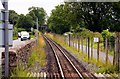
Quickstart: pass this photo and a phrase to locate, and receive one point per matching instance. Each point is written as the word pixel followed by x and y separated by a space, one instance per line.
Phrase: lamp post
pixel 6 42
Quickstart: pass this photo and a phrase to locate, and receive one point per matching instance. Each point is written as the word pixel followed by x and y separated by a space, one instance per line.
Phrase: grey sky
pixel 21 6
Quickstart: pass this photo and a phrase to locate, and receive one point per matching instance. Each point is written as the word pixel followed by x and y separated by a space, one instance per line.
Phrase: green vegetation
pixel 38 55
pixel 108 70
pixel 37 12
pixel 19 71
pixel 79 55
pixel 57 21
pixel 26 22
pixel 83 19
pixel 84 34
pixel 93 16
pixel 29 20
pixel 32 36
pixel 17 30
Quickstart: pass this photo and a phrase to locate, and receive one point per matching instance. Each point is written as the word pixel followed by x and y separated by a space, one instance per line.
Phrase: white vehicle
pixel 24 35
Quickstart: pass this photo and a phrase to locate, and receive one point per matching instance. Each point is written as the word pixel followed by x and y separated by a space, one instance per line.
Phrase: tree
pixel 25 22
pixel 58 21
pixel 36 12
pixel 96 16
pixel 116 17
pixel 13 17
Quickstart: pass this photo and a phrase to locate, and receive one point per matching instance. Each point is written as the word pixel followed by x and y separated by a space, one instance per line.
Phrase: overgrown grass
pixel 32 36
pixel 19 71
pixel 15 37
pixel 38 55
pixel 81 56
pixel 108 70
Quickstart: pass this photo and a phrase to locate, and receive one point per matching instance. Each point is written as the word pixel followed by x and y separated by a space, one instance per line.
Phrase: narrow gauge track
pixel 69 67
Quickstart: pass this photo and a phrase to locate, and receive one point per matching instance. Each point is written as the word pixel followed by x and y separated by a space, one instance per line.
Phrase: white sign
pixel 96 39
pixel 2 34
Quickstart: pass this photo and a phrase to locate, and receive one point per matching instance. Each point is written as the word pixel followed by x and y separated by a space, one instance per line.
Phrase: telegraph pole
pixel 5 16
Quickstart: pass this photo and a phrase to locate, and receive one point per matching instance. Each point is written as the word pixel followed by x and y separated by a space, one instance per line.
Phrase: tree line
pixel 93 16
pixel 27 21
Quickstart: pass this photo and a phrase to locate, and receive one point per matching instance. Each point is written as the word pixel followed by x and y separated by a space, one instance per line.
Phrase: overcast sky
pixel 21 6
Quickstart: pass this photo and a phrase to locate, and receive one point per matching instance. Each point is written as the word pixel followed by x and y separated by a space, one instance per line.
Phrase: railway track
pixel 68 66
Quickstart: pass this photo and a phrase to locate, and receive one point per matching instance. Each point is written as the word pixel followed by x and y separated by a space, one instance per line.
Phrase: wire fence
pixel 106 50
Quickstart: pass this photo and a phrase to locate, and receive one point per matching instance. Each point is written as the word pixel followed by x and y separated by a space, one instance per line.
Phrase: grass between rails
pixel 38 55
pixel 81 56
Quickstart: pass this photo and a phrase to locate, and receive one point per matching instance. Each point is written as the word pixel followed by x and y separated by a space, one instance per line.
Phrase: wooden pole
pixel 106 49
pixel 91 48
pixel 98 50
pixel 69 39
pixel 117 51
pixel 73 39
pixel 114 52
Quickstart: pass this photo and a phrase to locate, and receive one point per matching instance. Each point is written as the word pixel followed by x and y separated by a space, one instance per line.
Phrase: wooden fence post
pixel 69 39
pixel 91 48
pixel 76 42
pixel 106 49
pixel 117 50
pixel 114 51
pixel 98 49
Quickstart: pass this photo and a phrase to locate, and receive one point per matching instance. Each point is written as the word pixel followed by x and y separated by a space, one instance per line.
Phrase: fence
pixel 106 50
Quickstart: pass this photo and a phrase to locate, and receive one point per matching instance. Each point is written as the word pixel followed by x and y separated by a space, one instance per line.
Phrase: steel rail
pixel 58 62
pixel 80 75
